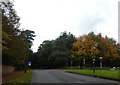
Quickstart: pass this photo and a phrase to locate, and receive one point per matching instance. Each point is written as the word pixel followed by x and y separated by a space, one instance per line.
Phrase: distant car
pixel 113 68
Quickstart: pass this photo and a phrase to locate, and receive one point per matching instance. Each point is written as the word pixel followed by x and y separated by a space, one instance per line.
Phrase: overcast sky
pixel 48 18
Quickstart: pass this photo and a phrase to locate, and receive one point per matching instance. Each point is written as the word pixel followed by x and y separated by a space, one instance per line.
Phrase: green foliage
pixel 29 35
pixel 16 43
pixel 54 53
pixel 66 48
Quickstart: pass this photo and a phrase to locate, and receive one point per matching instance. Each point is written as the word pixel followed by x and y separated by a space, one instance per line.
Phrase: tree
pixel 95 46
pixel 10 13
pixel 15 43
pixel 85 46
pixel 29 35
pixel 43 54
pixel 8 31
pixel 55 53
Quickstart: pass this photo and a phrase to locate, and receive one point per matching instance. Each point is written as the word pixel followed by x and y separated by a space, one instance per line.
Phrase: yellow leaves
pixel 110 47
pixel 95 45
pixel 85 46
pixel 76 44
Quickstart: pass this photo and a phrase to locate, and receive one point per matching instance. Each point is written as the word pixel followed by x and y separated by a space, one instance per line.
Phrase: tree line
pixel 92 46
pixel 16 43
pixel 59 53
pixel 54 53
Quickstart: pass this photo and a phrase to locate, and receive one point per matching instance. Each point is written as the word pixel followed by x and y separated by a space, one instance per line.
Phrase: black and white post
pixel 100 62
pixel 93 65
pixel 84 63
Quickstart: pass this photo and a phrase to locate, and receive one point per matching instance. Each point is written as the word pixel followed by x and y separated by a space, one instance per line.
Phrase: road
pixel 59 76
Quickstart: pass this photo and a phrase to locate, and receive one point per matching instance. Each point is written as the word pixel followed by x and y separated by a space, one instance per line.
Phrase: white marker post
pixel 29 63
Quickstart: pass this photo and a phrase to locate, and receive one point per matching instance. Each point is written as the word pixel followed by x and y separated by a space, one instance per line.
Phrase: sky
pixel 48 18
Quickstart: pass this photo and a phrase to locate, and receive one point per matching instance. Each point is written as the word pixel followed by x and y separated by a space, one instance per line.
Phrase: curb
pixel 96 76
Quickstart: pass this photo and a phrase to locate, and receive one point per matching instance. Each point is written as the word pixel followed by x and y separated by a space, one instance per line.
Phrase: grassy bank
pixel 109 74
pixel 24 78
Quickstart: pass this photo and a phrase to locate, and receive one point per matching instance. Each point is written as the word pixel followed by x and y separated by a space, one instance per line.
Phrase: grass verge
pixel 24 79
pixel 108 74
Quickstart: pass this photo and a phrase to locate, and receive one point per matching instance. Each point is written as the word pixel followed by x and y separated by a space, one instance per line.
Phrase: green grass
pixel 25 78
pixel 111 74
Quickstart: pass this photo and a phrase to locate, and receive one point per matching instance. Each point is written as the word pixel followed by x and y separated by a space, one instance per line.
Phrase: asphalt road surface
pixel 59 76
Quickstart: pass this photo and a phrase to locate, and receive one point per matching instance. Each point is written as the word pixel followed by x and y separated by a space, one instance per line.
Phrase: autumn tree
pixel 109 49
pixel 85 47
pixel 95 46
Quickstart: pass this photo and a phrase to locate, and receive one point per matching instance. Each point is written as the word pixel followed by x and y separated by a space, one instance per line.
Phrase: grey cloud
pixel 89 23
